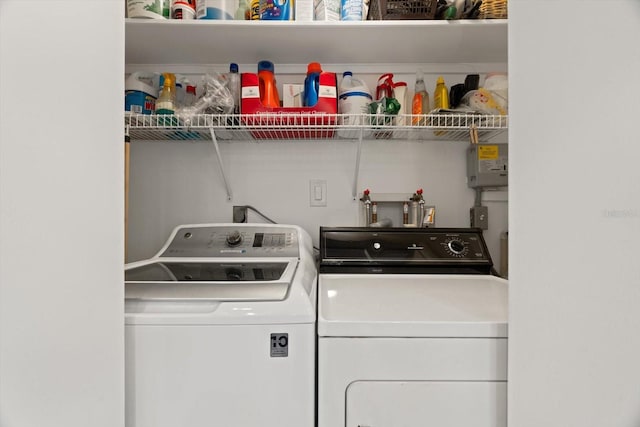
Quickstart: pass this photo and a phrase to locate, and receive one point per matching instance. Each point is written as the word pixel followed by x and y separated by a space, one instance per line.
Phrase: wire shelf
pixel 315 126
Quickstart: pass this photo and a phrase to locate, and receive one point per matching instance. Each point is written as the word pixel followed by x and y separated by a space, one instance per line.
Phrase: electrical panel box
pixel 487 165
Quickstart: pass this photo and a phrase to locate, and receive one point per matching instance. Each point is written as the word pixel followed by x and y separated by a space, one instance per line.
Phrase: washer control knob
pixel 456 246
pixel 234 238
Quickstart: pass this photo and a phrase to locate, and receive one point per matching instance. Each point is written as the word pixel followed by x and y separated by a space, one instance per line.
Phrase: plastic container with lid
pixel 216 9
pixel 267 85
pixel 311 85
pixel 153 9
pixel 183 9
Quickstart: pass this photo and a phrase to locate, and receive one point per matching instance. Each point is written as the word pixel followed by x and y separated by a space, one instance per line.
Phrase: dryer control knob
pixel 456 246
pixel 234 238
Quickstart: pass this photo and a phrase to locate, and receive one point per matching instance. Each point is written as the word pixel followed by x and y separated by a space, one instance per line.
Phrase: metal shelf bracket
pixel 354 190
pixel 224 175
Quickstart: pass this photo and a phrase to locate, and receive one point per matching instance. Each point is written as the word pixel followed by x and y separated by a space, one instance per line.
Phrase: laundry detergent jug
pixel 354 98
pixel 141 92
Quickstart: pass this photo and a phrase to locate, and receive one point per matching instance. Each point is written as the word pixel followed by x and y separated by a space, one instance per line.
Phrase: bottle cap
pixel 233 67
pixel 169 79
pixel 440 80
pixel 347 73
pixel 265 66
pixel 191 89
pixel 314 67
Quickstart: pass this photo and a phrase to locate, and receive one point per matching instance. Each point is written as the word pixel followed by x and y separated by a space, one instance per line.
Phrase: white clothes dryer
pixel 412 329
pixel 220 329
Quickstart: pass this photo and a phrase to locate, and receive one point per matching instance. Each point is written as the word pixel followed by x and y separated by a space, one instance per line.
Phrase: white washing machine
pixel 220 329
pixel 412 330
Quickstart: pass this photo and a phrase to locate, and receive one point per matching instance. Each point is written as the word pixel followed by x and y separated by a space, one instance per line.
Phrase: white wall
pixel 175 183
pixel 61 205
pixel 574 341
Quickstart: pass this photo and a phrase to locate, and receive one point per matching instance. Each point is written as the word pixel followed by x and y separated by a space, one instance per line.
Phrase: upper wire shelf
pixel 315 126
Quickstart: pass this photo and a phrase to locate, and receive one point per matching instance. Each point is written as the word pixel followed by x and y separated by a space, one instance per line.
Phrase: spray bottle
pixel 420 103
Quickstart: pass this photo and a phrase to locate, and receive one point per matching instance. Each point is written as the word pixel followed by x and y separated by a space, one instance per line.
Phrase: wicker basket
pixel 493 9
pixel 402 9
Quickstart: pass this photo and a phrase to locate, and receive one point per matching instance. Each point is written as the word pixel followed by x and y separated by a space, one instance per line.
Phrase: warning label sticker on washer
pixel 279 345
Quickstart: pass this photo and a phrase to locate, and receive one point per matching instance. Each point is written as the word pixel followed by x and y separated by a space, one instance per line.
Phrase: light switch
pixel 317 192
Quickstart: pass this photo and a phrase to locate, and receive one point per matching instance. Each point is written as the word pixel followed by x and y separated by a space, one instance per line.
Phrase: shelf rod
pixel 224 176
pixel 354 192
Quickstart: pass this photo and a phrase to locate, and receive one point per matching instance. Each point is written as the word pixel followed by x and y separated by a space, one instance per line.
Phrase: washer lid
pixel 188 279
pixel 365 305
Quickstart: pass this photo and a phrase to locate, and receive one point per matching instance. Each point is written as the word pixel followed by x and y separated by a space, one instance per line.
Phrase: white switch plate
pixel 317 192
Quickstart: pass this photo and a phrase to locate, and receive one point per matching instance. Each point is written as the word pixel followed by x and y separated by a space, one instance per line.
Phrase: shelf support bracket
pixel 224 175
pixel 354 191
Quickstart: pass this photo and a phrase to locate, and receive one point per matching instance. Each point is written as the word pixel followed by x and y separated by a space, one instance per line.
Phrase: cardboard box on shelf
pixel 264 122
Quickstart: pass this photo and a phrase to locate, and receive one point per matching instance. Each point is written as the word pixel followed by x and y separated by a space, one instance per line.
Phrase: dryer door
pixel 427 403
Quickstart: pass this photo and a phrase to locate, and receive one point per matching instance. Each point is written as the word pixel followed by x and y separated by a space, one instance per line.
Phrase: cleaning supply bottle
pixel 311 85
pixel 420 104
pixel 267 83
pixel 401 93
pixel 190 95
pixel 351 10
pixel 385 86
pixel 166 103
pixel 234 86
pixel 254 10
pixel 243 11
pixel 181 86
pixel 354 98
pixel 441 95
pixel 141 92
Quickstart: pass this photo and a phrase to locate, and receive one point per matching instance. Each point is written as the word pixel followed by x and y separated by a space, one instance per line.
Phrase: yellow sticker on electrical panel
pixel 487 152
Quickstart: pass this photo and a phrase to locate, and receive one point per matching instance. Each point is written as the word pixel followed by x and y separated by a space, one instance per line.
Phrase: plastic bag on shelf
pixel 481 100
pixel 216 100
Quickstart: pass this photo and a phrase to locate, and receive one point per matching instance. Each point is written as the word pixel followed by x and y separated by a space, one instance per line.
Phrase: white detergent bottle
pixel 354 98
pixel 401 94
pixel 141 92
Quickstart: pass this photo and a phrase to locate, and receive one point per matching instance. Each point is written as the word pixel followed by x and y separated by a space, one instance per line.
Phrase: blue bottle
pixel 312 85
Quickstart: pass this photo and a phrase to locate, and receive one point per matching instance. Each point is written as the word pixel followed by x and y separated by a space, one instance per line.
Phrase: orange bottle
pixel 420 105
pixel 267 84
